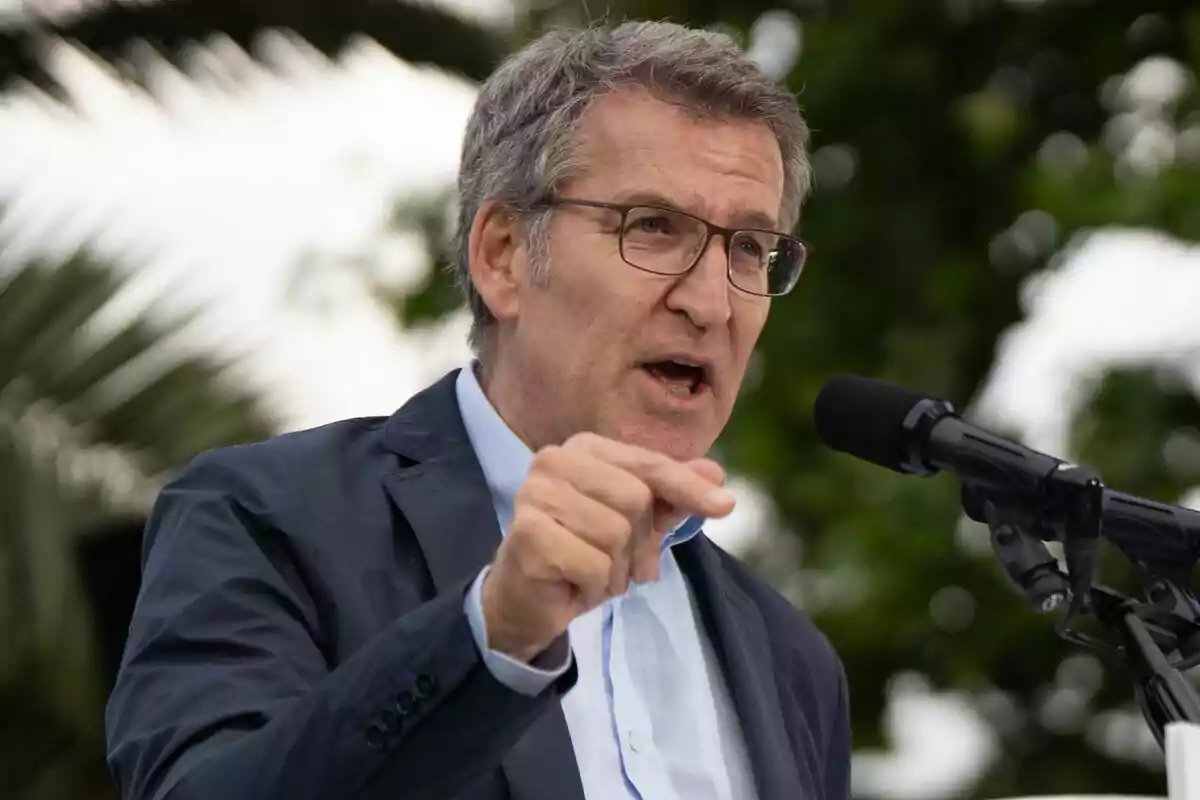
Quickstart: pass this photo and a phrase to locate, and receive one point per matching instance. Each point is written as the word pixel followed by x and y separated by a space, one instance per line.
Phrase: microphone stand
pixel 1163 694
pixel 1139 634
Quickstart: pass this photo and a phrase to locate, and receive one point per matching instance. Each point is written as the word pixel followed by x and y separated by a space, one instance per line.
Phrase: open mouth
pixel 677 376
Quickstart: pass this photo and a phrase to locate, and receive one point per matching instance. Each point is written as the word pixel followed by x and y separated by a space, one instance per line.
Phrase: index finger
pixel 671 481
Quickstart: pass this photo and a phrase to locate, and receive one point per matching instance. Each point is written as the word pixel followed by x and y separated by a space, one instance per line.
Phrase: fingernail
pixel 719 495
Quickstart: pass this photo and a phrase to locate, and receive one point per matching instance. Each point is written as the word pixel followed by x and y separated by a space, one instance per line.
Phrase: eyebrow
pixel 741 219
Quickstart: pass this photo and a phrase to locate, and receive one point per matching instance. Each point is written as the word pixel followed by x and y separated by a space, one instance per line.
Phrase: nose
pixel 703 293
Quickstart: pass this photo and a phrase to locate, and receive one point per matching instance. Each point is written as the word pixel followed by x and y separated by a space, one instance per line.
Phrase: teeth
pixel 683 384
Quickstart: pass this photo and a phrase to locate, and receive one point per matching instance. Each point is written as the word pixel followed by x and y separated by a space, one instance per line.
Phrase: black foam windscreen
pixel 864 418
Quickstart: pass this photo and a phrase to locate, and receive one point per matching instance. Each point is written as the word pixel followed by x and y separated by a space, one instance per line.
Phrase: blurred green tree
pixel 959 148
pixel 95 408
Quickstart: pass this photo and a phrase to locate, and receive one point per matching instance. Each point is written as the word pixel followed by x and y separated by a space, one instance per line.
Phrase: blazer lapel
pixel 740 639
pixel 444 497
pixel 450 512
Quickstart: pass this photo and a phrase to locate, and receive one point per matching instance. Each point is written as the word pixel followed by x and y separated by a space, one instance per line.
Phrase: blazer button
pixel 405 702
pixel 425 686
pixel 377 736
pixel 389 719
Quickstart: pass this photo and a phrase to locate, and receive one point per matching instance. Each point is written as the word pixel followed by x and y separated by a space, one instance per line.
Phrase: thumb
pixel 708 469
pixel 666 516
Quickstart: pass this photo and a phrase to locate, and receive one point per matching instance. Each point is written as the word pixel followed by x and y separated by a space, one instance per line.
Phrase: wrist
pixel 502 636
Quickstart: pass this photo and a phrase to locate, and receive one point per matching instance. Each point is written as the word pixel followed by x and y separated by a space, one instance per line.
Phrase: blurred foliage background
pixel 960 148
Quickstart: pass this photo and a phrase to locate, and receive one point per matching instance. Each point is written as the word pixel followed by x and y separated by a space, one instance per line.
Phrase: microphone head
pixel 866 419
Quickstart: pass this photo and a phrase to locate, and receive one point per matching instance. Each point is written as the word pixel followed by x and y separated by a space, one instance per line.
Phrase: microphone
pixel 907 432
pixel 910 433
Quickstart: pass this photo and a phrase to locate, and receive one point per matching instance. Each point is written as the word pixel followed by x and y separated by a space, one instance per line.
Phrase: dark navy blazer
pixel 300 634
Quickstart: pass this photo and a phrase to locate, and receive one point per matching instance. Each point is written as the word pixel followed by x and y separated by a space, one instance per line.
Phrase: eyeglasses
pixel 669 242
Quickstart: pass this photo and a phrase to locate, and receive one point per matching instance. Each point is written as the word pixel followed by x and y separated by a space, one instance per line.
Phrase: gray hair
pixel 519 145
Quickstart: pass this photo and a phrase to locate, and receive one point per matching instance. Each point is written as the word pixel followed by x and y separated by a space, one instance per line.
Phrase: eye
pixel 655 223
pixel 750 247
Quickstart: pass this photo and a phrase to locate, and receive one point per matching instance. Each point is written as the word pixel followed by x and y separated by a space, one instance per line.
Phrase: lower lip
pixel 673 396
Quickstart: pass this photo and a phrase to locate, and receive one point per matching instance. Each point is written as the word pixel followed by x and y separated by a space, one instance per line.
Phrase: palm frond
pixel 93 412
pixel 128 389
pixel 416 31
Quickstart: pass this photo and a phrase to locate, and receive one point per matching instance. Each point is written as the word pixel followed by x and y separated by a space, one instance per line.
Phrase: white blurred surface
pixel 1183 761
pixel 1120 297
pixel 222 196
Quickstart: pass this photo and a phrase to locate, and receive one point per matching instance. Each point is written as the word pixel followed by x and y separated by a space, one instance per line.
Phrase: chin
pixel 681 442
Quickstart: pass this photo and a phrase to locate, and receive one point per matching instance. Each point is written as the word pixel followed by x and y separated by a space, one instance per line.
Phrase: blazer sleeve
pixel 225 691
pixel 837 758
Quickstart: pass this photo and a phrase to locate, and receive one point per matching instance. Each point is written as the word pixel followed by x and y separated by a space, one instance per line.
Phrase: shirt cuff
pixel 527 679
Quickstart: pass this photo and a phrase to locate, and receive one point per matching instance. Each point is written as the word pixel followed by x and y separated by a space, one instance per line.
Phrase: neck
pixel 519 402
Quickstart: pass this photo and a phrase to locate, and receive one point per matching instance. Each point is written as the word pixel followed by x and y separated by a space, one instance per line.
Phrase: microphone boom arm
pixel 1140 634
pixel 1081 491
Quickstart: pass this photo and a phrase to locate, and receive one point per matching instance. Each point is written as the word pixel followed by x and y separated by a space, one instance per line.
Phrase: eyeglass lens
pixel 669 243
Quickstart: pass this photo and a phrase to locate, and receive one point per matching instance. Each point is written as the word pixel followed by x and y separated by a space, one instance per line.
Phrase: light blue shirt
pixel 650 715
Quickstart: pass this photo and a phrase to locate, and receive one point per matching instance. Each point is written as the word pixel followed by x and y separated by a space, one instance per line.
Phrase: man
pixel 503 589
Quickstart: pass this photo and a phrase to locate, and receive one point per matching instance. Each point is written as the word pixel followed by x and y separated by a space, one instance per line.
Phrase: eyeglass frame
pixel 711 230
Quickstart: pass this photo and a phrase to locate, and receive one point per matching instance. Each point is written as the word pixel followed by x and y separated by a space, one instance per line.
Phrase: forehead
pixel 633 143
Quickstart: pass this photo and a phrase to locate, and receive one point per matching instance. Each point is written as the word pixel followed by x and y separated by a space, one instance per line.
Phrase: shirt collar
pixel 505 459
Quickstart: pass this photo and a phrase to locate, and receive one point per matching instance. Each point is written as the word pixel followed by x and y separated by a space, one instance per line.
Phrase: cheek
pixel 749 320
pixel 581 338
pixel 604 313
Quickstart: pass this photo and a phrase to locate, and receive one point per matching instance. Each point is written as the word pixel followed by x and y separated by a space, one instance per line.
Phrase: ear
pixel 496 256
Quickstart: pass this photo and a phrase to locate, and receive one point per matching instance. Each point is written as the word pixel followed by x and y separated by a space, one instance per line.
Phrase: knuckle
pixel 542 489
pixel 617 530
pixel 528 494
pixel 622 528
pixel 557 464
pixel 597 580
pixel 534 520
pixel 548 458
pixel 636 498
pixel 601 566
pixel 524 525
